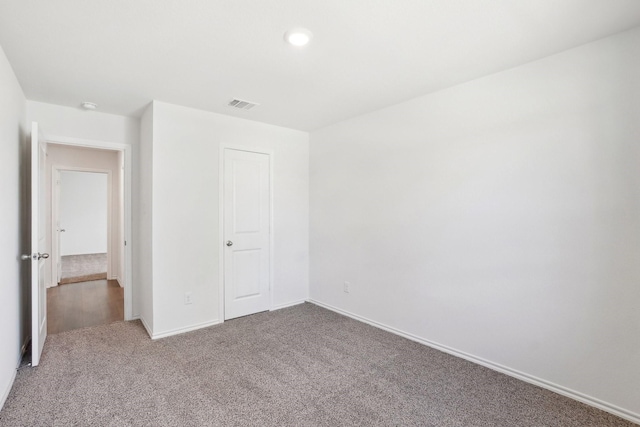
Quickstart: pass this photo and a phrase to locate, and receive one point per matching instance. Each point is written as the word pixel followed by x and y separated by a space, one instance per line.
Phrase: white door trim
pixel 55 204
pixel 126 149
pixel 251 149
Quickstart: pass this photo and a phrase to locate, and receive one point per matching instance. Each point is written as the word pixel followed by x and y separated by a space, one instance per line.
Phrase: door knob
pixel 34 256
pixel 229 243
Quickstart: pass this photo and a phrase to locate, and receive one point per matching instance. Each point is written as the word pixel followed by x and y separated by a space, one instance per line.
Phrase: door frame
pixel 126 150
pixel 221 239
pixel 55 216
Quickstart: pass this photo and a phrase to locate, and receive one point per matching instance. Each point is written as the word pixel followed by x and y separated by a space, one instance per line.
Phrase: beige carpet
pixel 83 268
pixel 300 366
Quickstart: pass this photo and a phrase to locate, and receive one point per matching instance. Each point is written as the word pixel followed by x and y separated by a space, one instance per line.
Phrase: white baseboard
pixel 576 395
pixel 182 330
pixel 7 390
pixel 5 393
pixel 288 304
pixel 146 327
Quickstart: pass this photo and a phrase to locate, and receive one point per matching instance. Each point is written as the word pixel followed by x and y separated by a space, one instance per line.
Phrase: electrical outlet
pixel 187 298
pixel 347 287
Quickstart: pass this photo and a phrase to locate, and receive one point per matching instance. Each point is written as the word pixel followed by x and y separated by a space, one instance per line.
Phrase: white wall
pixel 83 213
pixel 56 120
pixel 13 302
pixel 500 218
pixel 144 248
pixel 185 204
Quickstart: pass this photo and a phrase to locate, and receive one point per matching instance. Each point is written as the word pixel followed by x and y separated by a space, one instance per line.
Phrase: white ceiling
pixel 366 54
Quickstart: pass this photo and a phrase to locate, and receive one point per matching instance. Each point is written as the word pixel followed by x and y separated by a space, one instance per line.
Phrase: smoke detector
pixel 242 104
pixel 89 105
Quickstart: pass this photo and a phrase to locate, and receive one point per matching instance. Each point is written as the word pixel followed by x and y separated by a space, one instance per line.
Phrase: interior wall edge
pixel 523 376
pixel 145 325
pixel 288 304
pixel 182 330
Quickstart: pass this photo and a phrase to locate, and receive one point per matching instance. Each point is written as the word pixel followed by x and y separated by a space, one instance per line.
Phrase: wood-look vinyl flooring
pixel 78 305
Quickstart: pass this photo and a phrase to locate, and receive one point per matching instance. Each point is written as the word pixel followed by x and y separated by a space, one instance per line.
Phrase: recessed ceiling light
pixel 89 105
pixel 298 37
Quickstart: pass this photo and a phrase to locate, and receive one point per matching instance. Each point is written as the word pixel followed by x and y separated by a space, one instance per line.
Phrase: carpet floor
pixel 300 366
pixel 83 268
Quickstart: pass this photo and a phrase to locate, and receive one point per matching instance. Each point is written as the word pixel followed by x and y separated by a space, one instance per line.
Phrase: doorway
pixel 87 279
pixel 41 240
pixel 82 212
pixel 81 215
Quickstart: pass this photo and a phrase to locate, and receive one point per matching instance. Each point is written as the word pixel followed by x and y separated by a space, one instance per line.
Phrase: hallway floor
pixel 78 305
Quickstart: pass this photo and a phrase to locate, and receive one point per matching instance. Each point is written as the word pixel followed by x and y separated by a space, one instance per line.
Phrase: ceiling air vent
pixel 241 105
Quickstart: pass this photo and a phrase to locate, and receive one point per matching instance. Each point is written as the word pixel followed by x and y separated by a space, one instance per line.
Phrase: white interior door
pixel 57 235
pixel 38 254
pixel 246 211
pixel 58 260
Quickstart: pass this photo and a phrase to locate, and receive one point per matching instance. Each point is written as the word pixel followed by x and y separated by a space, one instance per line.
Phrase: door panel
pixel 38 248
pixel 58 233
pixel 246 197
pixel 246 273
pixel 246 225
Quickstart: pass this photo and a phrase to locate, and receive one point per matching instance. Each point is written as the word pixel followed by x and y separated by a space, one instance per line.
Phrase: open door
pixel 38 256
